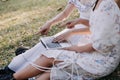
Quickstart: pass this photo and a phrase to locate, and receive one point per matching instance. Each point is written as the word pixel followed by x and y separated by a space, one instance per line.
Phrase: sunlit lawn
pixel 21 19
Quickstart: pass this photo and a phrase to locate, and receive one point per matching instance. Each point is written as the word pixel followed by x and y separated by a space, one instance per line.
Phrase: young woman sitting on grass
pixel 84 7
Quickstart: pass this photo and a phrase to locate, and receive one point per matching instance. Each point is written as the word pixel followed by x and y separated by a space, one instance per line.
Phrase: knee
pixel 46 59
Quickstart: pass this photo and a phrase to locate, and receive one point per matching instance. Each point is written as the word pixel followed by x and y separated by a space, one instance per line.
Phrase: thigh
pixel 34 52
pixel 31 70
pixel 44 76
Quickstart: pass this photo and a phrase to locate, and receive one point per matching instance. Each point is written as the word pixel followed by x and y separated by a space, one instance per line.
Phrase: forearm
pixel 80 49
pixel 82 21
pixel 58 18
pixel 63 15
pixel 80 31
pixel 85 48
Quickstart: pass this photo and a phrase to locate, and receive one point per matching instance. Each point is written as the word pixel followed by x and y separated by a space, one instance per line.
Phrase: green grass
pixel 21 19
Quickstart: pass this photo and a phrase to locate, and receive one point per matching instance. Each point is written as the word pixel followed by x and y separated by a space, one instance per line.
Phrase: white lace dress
pixel 105 28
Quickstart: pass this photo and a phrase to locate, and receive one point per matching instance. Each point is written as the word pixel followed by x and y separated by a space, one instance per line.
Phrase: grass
pixel 21 19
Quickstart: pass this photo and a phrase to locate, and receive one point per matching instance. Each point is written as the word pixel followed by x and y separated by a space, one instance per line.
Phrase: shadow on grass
pixel 27 5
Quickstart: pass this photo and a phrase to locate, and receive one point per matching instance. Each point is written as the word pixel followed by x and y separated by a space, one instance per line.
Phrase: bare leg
pixel 44 76
pixel 30 71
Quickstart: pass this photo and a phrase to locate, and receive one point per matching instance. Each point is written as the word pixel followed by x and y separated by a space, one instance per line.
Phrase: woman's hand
pixel 44 29
pixel 63 37
pixel 69 24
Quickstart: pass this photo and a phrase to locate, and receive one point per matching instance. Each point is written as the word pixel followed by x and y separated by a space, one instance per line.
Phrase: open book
pixel 48 44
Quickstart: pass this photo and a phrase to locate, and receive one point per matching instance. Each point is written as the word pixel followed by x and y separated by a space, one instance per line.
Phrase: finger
pixel 61 40
pixel 62 25
pixel 65 24
pixel 55 40
pixel 68 22
pixel 70 26
pixel 39 32
pixel 58 40
pixel 45 32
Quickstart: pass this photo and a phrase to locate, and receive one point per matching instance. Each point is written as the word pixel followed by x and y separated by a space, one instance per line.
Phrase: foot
pixel 6 74
pixel 20 50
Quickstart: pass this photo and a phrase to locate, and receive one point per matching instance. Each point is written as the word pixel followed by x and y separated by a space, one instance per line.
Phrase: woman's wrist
pixel 49 22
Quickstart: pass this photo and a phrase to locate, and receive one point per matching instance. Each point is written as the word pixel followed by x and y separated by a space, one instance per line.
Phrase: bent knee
pixel 45 58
